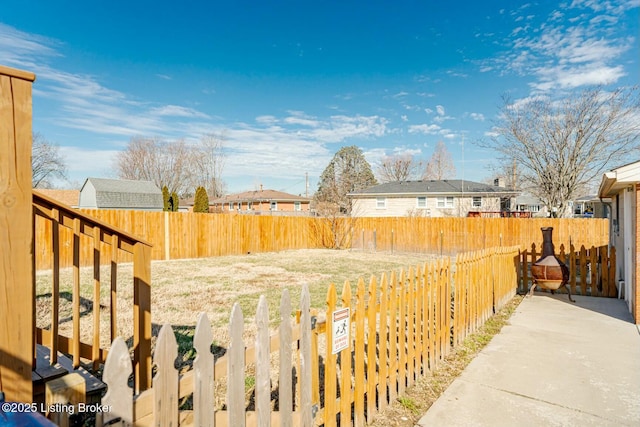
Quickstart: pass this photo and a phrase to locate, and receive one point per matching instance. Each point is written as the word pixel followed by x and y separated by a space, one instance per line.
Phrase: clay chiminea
pixel 548 271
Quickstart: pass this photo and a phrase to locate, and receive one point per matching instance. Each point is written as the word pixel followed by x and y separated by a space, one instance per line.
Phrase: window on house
pixel 445 202
pixel 230 206
pixel 274 206
pixel 297 206
pixel 249 206
pixel 421 202
pixel 477 202
pixel 381 203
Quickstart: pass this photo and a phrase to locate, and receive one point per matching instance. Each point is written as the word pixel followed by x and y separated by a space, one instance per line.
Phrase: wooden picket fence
pixel 484 282
pixel 393 331
pixel 592 271
pixel 159 406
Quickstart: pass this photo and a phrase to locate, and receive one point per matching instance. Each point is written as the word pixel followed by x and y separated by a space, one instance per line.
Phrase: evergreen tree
pixel 165 198
pixel 201 201
pixel 348 171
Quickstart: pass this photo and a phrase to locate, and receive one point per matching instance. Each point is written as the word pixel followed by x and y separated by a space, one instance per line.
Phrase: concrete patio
pixel 556 364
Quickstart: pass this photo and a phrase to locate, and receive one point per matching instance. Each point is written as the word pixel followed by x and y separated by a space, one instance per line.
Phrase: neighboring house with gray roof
pixel 102 193
pixel 434 198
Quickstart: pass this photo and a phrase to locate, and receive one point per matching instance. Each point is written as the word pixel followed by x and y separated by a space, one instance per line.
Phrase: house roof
pixel 261 195
pixel 446 186
pixel 68 197
pixel 617 179
pixel 119 193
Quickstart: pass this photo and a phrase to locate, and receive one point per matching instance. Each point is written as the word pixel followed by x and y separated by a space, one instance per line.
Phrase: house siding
pixel 635 309
pixel 408 206
pixel 87 197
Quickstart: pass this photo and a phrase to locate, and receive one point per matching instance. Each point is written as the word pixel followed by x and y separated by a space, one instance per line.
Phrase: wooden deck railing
pixel 69 227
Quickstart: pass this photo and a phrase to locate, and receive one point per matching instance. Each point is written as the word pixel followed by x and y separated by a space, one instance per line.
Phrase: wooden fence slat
pixel 330 390
pixel 345 365
pixel 583 270
pixel 393 338
pixel 285 381
pixel 411 327
pixel 593 265
pixel 359 379
pixel 383 338
pixel 306 360
pixel 371 347
pixel 203 391
pixel 263 366
pixel 165 382
pixel 236 370
pixel 119 396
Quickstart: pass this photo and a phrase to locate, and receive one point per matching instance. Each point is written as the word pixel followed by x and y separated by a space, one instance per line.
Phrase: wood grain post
pixel 16 234
pixel 142 316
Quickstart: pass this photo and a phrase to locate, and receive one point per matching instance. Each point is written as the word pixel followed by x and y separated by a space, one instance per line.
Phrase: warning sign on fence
pixel 341 327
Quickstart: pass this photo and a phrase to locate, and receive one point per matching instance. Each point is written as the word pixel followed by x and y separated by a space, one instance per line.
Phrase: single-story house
pixel 262 201
pixel 102 193
pixel 434 198
pixel 527 203
pixel 589 206
pixel 620 188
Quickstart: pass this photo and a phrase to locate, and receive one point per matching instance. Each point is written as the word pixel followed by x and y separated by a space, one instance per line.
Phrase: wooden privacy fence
pixel 592 271
pixel 449 236
pixel 347 365
pixel 179 235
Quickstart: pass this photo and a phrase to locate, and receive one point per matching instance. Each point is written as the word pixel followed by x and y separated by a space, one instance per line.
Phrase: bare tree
pixel 400 167
pixel 162 162
pixel 440 165
pixel 46 162
pixel 208 164
pixel 561 145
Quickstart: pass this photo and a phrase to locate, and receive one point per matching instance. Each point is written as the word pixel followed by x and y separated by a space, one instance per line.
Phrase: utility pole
pixel 306 184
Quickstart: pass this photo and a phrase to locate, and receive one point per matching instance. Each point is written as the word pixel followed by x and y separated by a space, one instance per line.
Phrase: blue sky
pixel 290 82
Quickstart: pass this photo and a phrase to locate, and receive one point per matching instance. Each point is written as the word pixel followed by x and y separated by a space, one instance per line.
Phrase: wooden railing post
pixel 142 316
pixel 17 316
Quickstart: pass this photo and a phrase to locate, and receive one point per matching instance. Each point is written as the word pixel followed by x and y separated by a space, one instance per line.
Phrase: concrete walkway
pixel 556 364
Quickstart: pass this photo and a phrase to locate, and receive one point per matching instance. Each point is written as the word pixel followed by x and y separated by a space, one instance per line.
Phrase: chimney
pixel 499 182
pixel 261 188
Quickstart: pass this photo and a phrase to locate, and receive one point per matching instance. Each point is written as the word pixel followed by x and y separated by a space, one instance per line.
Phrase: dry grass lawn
pixel 181 289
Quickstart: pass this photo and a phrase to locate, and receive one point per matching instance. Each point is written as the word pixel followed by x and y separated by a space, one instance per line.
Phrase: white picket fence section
pixel 159 406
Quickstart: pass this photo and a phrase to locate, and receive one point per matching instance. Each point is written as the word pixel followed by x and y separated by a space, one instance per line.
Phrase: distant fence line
pixel 180 235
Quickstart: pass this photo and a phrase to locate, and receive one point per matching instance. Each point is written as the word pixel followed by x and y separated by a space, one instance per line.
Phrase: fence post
pixel 142 316
pixel 17 321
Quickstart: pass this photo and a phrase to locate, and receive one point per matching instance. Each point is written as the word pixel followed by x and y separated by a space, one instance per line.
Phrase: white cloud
pixel 579 44
pixel 177 111
pixel 425 129
pixel 440 110
pixel 477 116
